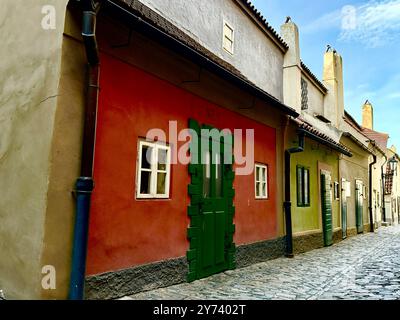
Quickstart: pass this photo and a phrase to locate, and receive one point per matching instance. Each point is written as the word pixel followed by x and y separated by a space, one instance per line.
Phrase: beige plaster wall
pixel 65 158
pixel 377 186
pixel 29 77
pixel 352 169
pixel 315 99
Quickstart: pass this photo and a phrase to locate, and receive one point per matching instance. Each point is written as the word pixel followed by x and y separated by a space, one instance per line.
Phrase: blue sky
pixel 367 35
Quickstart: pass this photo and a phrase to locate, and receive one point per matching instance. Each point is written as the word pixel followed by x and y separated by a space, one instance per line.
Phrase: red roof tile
pixel 381 139
pixel 329 141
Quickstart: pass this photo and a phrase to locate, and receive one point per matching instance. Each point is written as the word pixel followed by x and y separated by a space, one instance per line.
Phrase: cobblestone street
pixel 362 267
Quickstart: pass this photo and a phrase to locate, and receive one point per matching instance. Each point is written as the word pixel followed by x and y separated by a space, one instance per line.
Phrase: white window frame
pixel 336 190
pixel 153 170
pixel 224 35
pixel 346 186
pixel 257 180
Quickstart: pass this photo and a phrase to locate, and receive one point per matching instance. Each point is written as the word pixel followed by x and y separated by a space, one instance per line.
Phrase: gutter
pixel 288 202
pixel 325 142
pixel 122 12
pixel 85 183
pixel 371 216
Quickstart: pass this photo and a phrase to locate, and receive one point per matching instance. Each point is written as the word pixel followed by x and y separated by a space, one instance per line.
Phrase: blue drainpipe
pixel 85 183
pixel 84 188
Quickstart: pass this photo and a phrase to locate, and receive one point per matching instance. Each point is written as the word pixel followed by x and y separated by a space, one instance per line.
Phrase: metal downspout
pixel 371 216
pixel 85 183
pixel 383 189
pixel 288 202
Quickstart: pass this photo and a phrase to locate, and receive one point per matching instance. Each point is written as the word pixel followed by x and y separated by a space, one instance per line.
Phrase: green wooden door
pixel 326 204
pixel 211 230
pixel 344 209
pixel 359 206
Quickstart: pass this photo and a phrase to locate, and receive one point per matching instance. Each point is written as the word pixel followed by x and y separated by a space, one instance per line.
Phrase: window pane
pixel 162 159
pixel 145 179
pixel 258 173
pixel 228 45
pixel 161 179
pixel 146 157
pixel 263 177
pixel 300 186
pixel 264 190
pixel 228 32
pixel 306 187
pixel 258 189
pixel 218 176
pixel 206 175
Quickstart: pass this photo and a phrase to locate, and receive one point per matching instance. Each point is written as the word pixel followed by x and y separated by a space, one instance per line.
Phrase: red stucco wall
pixel 125 232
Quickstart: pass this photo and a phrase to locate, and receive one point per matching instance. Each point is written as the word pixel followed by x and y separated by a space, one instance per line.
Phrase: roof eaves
pixel 316 135
pixel 358 142
pixel 263 21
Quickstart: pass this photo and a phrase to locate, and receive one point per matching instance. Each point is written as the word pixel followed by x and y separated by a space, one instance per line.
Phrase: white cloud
pixel 377 23
pixel 327 21
pixel 395 95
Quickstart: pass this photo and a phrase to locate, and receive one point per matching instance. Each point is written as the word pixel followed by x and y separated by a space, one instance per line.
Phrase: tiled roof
pixel 313 76
pixel 381 139
pixel 257 14
pixel 348 118
pixel 305 126
pixel 351 121
pixel 170 30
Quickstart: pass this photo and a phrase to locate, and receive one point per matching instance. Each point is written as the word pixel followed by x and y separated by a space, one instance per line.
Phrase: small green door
pixel 359 206
pixel 211 230
pixel 344 209
pixel 326 204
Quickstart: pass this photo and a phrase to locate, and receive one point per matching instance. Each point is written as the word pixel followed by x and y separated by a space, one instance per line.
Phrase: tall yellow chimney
pixel 368 115
pixel 292 66
pixel 333 80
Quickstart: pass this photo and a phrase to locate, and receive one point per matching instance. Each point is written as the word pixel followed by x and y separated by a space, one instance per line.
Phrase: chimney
pixel 291 66
pixel 333 80
pixel 368 115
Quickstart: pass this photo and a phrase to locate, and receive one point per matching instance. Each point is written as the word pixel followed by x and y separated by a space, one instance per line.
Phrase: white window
pixel 336 191
pixel 153 171
pixel 346 186
pixel 228 38
pixel 261 184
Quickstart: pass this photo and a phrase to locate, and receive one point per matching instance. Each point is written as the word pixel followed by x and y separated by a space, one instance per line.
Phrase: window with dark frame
pixel 303 186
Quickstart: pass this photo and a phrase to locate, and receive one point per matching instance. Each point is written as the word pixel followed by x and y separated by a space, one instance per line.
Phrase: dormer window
pixel 304 94
pixel 228 38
